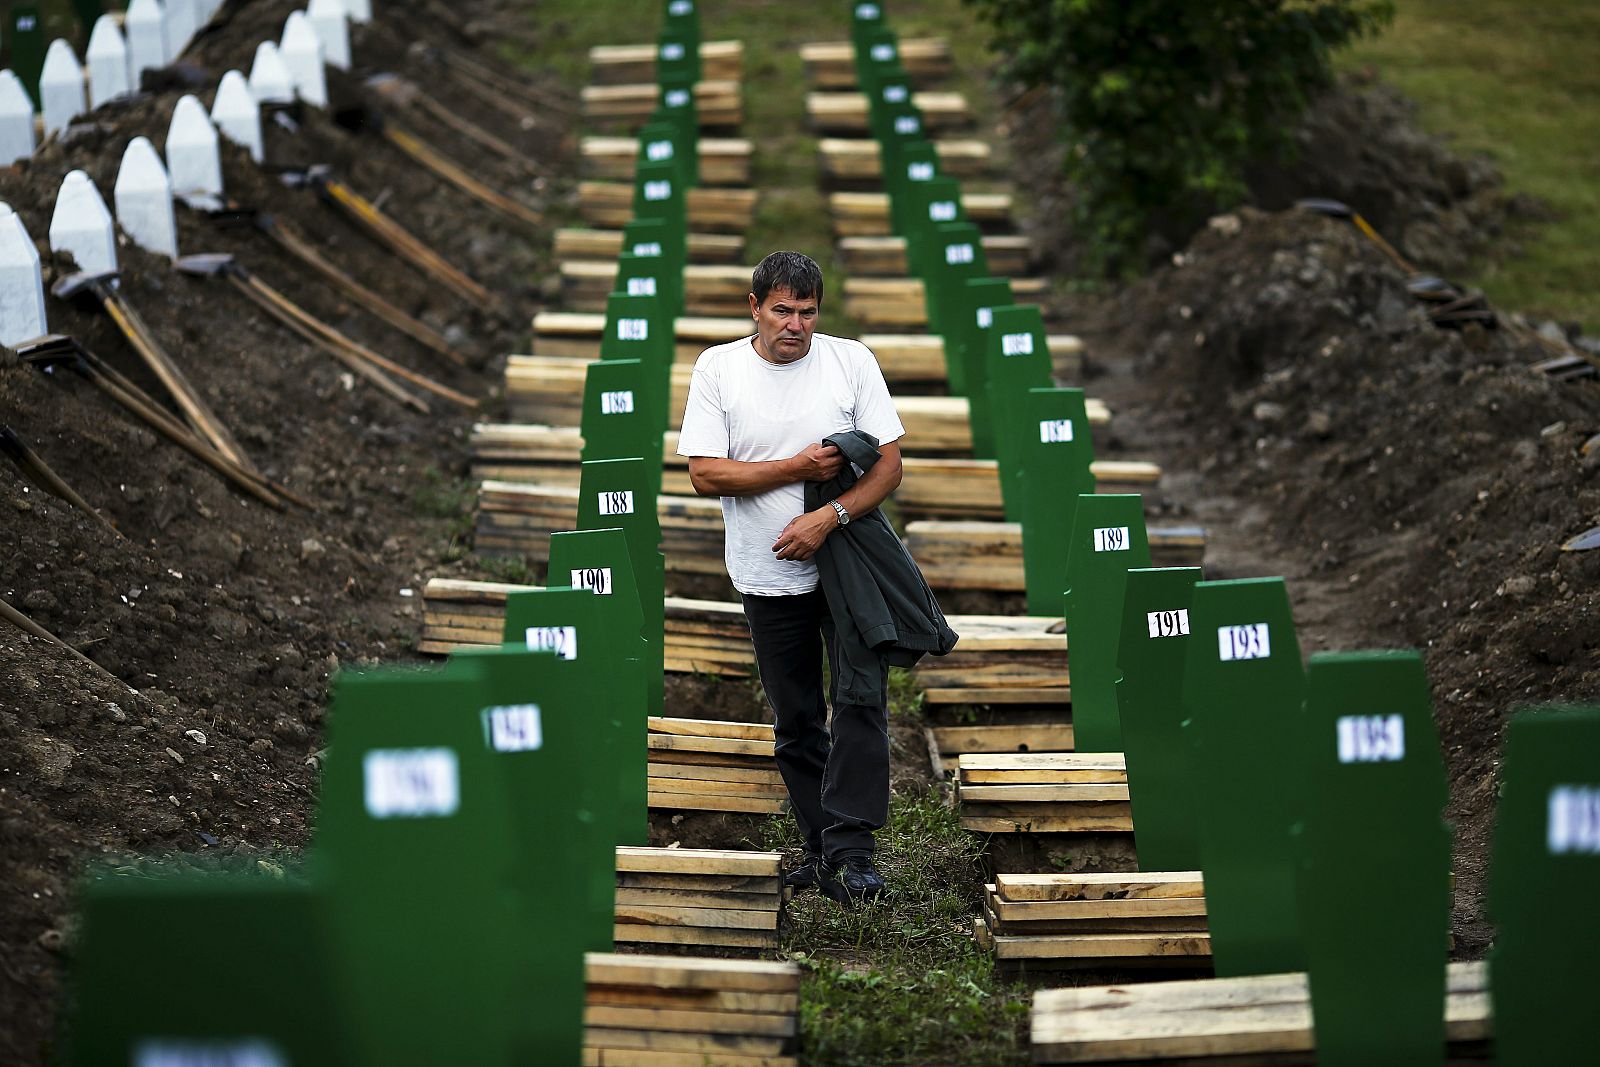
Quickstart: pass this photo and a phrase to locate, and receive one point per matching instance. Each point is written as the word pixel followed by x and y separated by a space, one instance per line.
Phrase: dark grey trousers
pixel 837 773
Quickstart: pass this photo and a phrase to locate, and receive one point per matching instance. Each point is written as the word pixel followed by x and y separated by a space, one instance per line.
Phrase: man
pixel 753 430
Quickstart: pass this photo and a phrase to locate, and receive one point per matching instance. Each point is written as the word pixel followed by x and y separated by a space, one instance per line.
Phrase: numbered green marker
pixel 666 139
pixel 918 162
pixel 638 328
pixel 617 398
pixel 1374 807
pixel 1017 360
pixel 1108 538
pixel 1055 455
pixel 966 342
pixel 415 836
pixel 1544 882
pixel 683 16
pixel 232 967
pixel 1243 696
pixel 615 493
pixel 1162 778
pixel 677 54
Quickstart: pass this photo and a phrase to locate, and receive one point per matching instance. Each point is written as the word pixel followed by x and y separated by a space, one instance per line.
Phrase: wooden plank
pixel 712 209
pixel 694 935
pixel 695 883
pixel 846 112
pixel 703 1044
pixel 585 243
pixel 1099 886
pixel 1068 792
pixel 867 214
pixel 759 1024
pixel 832 64
pixel 707 918
pixel 1009 912
pixel 630 896
pixel 623 64
pixel 1101 946
pixel 718 103
pixel 1012 737
pixel 726 746
pixel 697 861
pixel 699 802
pixel 626 1057
pixel 723 160
pixel 1008 255
pixel 858 159
pixel 1254 1016
pixel 1048 824
pixel 684 972
pixel 665 772
pixel 662 787
pixel 1055 695
pixel 749 731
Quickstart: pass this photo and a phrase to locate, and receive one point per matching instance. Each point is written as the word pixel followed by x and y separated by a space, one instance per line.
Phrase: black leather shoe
pixel 802 875
pixel 853 880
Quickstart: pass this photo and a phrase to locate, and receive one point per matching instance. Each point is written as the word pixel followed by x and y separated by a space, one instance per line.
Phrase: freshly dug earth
pixel 218 621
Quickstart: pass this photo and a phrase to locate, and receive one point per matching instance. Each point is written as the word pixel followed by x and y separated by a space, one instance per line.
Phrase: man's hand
pixel 817 463
pixel 805 534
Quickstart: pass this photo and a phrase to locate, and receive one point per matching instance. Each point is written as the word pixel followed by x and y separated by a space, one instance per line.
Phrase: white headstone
pixel 193 162
pixel 144 199
pixel 359 10
pixel 182 21
pixel 270 82
pixel 60 86
pixel 329 19
pixel 236 114
pixel 82 225
pixel 21 282
pixel 16 120
pixel 145 25
pixel 302 54
pixel 108 62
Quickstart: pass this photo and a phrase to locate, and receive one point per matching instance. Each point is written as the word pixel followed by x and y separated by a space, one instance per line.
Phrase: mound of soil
pixel 215 621
pixel 1415 484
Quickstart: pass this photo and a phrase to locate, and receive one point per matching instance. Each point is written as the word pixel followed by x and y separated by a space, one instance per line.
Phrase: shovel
pixel 37 471
pixel 103 288
pixel 320 335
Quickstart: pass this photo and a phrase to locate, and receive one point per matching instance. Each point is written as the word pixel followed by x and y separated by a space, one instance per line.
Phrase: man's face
pixel 784 325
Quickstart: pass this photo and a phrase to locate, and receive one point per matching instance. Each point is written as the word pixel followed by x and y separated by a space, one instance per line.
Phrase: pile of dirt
pixel 216 622
pixel 1415 483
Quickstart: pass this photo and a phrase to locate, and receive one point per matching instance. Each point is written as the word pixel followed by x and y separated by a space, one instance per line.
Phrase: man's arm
pixel 805 533
pixel 711 476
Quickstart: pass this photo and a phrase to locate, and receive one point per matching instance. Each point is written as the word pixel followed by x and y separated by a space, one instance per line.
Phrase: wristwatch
pixel 844 516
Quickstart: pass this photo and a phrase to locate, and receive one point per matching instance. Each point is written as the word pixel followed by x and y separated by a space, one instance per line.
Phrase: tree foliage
pixel 1165 102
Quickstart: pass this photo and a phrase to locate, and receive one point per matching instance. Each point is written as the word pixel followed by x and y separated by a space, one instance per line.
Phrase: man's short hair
pixel 793 271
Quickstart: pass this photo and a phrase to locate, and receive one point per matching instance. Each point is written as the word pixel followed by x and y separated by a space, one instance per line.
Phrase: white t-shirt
pixel 744 408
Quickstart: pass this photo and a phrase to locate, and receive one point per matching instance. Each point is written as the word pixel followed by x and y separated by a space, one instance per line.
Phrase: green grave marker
pixel 658 193
pixel 676 106
pixel 865 18
pixel 953 255
pixel 918 162
pixel 637 328
pixel 1374 801
pixel 615 493
pixel 931 207
pixel 1162 778
pixel 1016 360
pixel 648 276
pixel 677 54
pixel 1544 881
pixel 1108 538
pixel 683 16
pixel 25 42
pixel 651 238
pixel 1055 457
pixel 415 837
pixel 190 968
pixel 1243 699
pixel 877 50
pixel 598 560
pixel 617 395
pixel 972 313
pixel 665 139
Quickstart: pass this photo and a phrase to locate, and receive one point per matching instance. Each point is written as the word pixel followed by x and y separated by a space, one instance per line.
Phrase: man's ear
pixel 754 306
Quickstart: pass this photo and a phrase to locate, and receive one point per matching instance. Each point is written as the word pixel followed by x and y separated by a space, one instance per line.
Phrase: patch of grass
pixel 905 695
pixel 512 569
pixel 1520 83
pixel 899 981
pixel 439 496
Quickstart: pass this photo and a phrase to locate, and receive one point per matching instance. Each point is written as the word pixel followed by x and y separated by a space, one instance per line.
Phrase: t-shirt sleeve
pixel 875 411
pixel 705 430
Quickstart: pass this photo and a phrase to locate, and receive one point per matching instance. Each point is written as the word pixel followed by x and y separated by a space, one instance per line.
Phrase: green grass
pixel 899 981
pixel 1521 83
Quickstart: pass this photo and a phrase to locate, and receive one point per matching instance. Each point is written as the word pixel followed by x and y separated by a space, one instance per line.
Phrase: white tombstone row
pixel 145 24
pixel 330 20
pixel 194 164
pixel 302 54
pixel 270 81
pixel 237 115
pixel 60 87
pixel 16 120
pixel 82 225
pixel 143 196
pixel 108 62
pixel 21 282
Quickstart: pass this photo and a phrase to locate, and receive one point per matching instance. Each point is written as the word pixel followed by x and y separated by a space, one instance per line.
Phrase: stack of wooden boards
pixel 832 64
pixel 719 103
pixel 962 554
pixel 702 636
pixel 635 64
pixel 939 488
pixel 696 896
pixel 1263 1019
pixel 1043 792
pixel 1022 658
pixel 711 765
pixel 1101 920
pixel 669 1011
pixel 517 519
pixel 1035 729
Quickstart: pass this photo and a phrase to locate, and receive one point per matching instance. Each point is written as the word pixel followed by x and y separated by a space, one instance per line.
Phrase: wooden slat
pixel 846 112
pixel 699 802
pixel 707 918
pixel 1008 255
pixel 723 160
pixel 945 695
pixel 714 1045
pixel 582 243
pixel 684 972
pixel 1062 792
pixel 1041 768
pixel 832 64
pixel 697 861
pixel 627 1057
pixel 867 214
pixel 712 209
pixel 1101 946
pixel 858 159
pixel 693 935
pixel 1099 886
pixel 1010 737
pixel 1117 822
pixel 718 103
pixel 749 731
pixel 1009 912
pixel 631 896
pixel 623 64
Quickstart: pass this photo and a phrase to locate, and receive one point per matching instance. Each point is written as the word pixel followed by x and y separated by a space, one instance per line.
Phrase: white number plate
pixel 1055 431
pixel 411 783
pixel 894 94
pixel 207 1052
pixel 906 125
pixel 647 248
pixel 1016 344
pixel 1251 641
pixel 515 728
pixel 882 53
pixel 657 190
pixel 1111 539
pixel 1168 623
pixel 633 329
pixel 954 254
pixel 677 98
pixel 595 578
pixel 641 287
pixel 656 151
pixel 1371 738
pixel 942 211
pixel 1574 820
pixel 617 503
pixel 619 402
pixel 985 318
pixel 562 640
pixel 919 172
pixel 672 51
